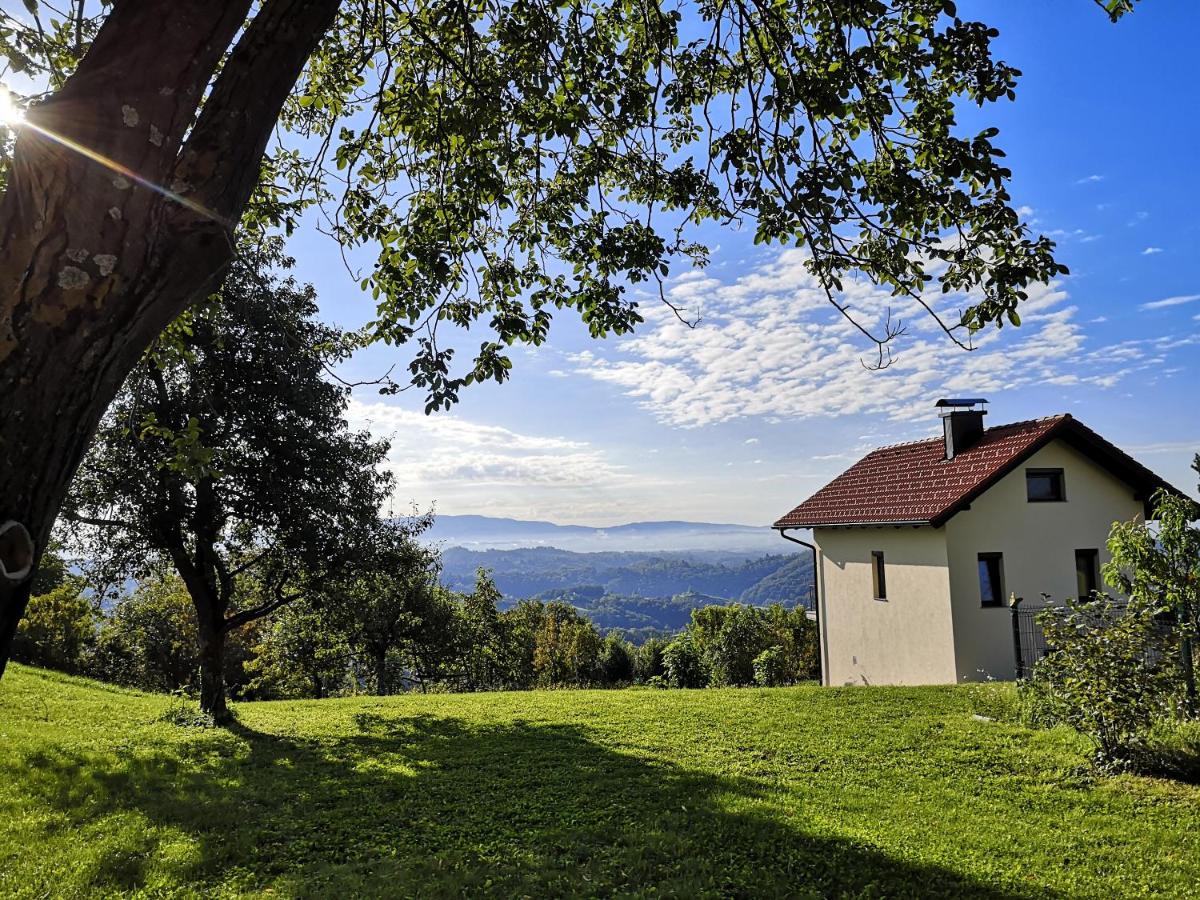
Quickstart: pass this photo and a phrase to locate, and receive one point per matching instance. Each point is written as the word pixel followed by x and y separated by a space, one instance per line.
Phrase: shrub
pixel 743 635
pixel 1107 675
pixel 770 668
pixel 616 661
pixel 683 663
pixel 649 661
pixel 59 629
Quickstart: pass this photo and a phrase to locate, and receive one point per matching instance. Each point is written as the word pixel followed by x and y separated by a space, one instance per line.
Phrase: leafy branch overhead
pixel 511 159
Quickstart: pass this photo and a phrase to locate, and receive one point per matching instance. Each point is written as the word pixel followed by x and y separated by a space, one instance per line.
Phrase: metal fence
pixel 1029 641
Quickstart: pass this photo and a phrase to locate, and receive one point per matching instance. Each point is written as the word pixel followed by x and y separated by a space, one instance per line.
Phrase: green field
pixel 871 792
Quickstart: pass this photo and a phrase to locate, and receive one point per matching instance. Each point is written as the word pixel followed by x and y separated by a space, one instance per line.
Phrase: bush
pixel 649 662
pixel 1108 675
pixel 743 635
pixel 59 629
pixel 616 661
pixel 770 668
pixel 683 663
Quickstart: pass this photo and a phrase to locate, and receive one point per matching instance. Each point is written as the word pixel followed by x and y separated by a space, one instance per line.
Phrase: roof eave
pixel 893 523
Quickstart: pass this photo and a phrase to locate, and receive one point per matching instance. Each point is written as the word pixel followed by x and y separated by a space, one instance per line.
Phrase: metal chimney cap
pixel 970 401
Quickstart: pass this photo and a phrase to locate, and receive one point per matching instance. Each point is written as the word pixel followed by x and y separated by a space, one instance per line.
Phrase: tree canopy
pixel 227 456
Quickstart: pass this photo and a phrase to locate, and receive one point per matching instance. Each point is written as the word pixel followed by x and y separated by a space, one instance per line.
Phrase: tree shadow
pixel 428 806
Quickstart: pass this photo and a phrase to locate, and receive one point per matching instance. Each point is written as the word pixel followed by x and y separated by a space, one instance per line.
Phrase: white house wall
pixel 905 639
pixel 1038 541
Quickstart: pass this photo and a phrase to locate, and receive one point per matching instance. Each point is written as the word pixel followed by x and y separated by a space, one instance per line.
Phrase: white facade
pixel 932 627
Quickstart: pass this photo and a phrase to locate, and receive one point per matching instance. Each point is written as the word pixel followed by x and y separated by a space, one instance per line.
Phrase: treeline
pixel 784 578
pixel 408 633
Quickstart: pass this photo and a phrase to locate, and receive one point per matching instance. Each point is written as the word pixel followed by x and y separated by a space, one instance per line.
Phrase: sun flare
pixel 10 113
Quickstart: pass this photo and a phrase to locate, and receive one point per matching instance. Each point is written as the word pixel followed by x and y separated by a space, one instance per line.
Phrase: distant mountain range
pixel 488 533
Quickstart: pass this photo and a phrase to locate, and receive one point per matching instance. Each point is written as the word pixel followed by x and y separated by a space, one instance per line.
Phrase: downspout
pixel 818 597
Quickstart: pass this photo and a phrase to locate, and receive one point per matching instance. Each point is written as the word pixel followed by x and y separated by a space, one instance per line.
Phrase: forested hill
pixel 717 576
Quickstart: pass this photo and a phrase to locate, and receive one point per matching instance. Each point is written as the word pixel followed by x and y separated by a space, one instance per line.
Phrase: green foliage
pixel 1160 566
pixel 794 792
pixel 1108 675
pixel 683 663
pixel 300 654
pixel 149 640
pixel 550 156
pixel 227 456
pixel 730 639
pixel 737 643
pixel 649 660
pixel 770 668
pixel 484 636
pixel 567 649
pixel 617 661
pixel 59 629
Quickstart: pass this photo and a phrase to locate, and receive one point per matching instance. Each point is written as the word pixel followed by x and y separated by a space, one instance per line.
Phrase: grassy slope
pixel 862 792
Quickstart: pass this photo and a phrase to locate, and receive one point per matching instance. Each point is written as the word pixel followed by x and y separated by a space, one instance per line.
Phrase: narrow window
pixel 991 579
pixel 1087 571
pixel 878 581
pixel 1044 485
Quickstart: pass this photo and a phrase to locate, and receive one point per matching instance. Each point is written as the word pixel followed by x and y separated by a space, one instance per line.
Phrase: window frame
pixel 1062 485
pixel 878 576
pixel 1092 555
pixel 998 586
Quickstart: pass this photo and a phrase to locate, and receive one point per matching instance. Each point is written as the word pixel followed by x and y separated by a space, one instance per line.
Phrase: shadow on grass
pixel 429 806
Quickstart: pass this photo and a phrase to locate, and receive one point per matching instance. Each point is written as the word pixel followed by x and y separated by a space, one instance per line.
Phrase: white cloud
pixel 1150 251
pixel 751 440
pixel 1171 301
pixel 768 345
pixel 1090 179
pixel 467 466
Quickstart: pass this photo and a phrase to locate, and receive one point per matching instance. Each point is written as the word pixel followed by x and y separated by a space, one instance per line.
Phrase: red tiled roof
pixel 915 484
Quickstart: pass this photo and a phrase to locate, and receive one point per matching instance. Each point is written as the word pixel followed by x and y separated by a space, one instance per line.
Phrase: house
pixel 919 546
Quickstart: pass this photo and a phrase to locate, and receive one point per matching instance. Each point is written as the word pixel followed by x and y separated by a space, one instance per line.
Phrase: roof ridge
pixel 985 431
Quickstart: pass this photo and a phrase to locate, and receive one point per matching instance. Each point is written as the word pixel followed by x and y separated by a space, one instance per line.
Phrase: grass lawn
pixel 864 792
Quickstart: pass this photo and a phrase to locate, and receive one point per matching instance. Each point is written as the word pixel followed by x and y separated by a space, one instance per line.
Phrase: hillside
pixel 782 578
pixel 488 532
pixel 859 792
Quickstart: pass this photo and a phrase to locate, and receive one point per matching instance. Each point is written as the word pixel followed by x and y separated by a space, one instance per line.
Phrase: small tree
pixel 483 635
pixel 1108 674
pixel 300 654
pixel 1160 567
pixel 743 635
pixel 649 661
pixel 59 628
pixel 683 663
pixel 149 640
pixel 380 605
pixel 227 456
pixel 567 649
pixel 616 660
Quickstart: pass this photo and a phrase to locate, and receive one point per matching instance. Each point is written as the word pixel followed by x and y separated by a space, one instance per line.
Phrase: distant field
pixel 867 792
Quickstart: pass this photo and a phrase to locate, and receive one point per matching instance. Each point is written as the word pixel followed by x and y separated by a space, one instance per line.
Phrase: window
pixel 878 582
pixel 1087 571
pixel 1044 485
pixel 991 579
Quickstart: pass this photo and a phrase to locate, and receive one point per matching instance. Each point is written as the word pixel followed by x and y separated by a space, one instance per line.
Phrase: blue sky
pixel 744 416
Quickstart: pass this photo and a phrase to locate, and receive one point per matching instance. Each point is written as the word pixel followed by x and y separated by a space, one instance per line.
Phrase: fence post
pixel 1013 603
pixel 1189 675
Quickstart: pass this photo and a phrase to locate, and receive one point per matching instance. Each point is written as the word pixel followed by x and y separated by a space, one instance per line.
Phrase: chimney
pixel 962 423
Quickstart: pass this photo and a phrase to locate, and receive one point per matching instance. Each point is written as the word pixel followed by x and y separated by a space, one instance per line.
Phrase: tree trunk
pixel 383 684
pixel 101 249
pixel 212 673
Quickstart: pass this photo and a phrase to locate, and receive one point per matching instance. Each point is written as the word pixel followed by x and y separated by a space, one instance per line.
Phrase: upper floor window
pixel 878 580
pixel 1087 571
pixel 1044 485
